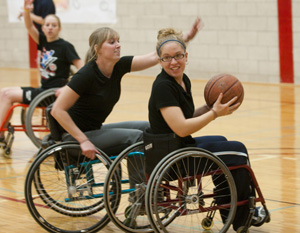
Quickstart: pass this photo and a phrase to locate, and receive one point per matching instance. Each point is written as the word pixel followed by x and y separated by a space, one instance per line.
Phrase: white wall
pixel 240 36
pixel 296 39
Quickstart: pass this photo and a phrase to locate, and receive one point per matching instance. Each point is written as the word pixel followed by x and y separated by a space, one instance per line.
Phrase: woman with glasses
pixel 88 99
pixel 172 112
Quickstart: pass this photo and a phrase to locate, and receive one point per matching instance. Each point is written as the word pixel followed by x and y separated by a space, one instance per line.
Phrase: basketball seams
pixel 210 86
pixel 215 85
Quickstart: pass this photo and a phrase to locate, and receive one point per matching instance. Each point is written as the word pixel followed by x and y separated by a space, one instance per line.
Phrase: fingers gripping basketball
pixel 227 84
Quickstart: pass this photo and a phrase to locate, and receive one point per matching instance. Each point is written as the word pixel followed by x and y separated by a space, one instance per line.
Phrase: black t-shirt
pixel 55 62
pixel 167 92
pixel 98 94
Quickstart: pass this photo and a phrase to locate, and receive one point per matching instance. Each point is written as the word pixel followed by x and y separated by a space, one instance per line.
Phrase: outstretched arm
pixel 142 62
pixel 35 18
pixel 33 32
pixel 197 26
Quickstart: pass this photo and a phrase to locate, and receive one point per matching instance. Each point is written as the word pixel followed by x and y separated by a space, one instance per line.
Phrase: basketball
pixel 227 84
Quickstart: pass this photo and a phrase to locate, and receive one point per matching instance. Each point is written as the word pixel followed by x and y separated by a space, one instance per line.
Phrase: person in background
pixel 41 8
pixel 57 56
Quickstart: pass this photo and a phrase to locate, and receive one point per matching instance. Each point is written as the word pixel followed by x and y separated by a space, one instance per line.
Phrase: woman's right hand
pixel 227 108
pixel 88 149
pixel 28 5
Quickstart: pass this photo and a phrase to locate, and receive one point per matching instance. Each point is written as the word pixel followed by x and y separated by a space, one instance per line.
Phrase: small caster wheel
pixel 127 211
pixel 242 229
pixel 7 153
pixel 207 223
pixel 129 222
pixel 268 218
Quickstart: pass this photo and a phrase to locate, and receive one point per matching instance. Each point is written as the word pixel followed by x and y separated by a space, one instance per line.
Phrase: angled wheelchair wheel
pixel 128 211
pixel 35 120
pixel 195 188
pixel 64 189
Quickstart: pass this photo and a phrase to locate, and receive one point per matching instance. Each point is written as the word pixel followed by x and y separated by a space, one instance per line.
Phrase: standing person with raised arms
pixel 88 99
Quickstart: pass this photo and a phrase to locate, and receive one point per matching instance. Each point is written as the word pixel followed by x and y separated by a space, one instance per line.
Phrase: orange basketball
pixel 227 84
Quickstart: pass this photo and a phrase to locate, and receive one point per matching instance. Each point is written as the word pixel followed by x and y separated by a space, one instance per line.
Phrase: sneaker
pixel 259 216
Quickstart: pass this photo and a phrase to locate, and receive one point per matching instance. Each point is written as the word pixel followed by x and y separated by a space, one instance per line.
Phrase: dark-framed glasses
pixel 169 58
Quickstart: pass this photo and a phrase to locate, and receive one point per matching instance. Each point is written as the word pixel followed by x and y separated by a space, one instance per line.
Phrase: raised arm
pixel 35 18
pixel 33 32
pixel 142 62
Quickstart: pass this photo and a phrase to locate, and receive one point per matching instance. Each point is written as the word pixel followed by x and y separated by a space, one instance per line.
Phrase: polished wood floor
pixel 268 123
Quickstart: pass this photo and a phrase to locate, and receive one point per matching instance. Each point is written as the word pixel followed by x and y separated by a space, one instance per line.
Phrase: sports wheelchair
pixel 33 121
pixel 183 193
pixel 64 189
pixel 67 192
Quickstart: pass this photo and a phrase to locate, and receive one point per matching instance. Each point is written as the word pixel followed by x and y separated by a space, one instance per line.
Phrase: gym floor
pixel 268 123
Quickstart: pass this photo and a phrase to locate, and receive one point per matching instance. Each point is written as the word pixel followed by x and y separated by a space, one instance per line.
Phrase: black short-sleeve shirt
pixel 55 62
pixel 98 94
pixel 167 92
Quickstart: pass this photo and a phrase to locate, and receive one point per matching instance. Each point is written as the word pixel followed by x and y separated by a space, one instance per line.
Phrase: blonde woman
pixel 87 100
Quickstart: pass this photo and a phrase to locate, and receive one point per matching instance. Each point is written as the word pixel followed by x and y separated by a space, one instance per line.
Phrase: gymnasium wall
pixel 240 36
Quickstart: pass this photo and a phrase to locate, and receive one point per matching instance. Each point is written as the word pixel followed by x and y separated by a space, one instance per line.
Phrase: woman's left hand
pixel 197 26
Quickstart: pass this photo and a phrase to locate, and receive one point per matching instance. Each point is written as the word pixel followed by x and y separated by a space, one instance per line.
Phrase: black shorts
pixel 29 93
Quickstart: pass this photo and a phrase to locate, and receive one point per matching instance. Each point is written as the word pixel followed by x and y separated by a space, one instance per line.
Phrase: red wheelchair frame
pixel 27 124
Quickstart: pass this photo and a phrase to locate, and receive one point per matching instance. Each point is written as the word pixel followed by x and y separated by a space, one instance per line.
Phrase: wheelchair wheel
pixel 64 189
pixel 128 169
pixel 195 188
pixel 35 120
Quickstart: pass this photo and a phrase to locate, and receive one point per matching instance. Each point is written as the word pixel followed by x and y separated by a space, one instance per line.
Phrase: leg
pixel 187 201
pixel 129 215
pixel 140 125
pixel 8 96
pixel 234 153
pixel 115 137
pixel 204 139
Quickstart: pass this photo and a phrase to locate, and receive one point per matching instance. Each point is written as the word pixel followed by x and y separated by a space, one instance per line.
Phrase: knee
pixel 135 136
pixel 222 138
pixel 239 147
pixel 5 95
pixel 143 125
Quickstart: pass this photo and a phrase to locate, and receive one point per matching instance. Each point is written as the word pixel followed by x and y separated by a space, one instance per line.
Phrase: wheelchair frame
pixel 163 201
pixel 63 189
pixel 174 197
pixel 28 112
